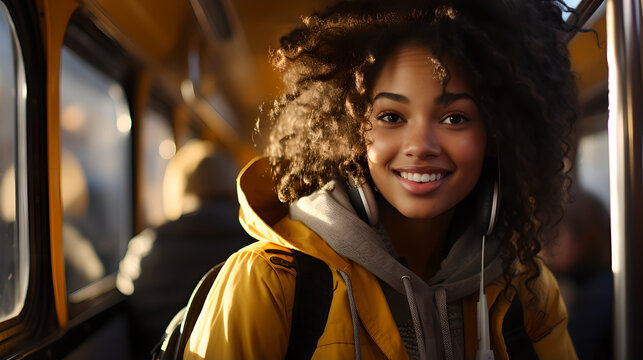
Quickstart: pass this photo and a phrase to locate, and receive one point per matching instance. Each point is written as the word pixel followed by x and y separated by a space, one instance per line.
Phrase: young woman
pixel 415 107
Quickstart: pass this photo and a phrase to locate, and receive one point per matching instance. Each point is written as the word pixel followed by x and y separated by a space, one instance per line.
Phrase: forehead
pixel 413 67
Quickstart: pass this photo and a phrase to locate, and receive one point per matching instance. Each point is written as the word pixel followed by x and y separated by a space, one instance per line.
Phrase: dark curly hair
pixel 515 58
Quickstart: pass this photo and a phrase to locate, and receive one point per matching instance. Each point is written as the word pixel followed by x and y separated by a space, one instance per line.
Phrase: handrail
pixel 626 182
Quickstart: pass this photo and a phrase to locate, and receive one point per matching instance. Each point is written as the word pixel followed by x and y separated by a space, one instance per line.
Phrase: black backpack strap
pixel 195 305
pixel 313 295
pixel 519 345
pixel 177 333
pixel 167 347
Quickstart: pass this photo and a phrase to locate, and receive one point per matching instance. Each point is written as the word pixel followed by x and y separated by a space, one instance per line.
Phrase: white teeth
pixel 417 177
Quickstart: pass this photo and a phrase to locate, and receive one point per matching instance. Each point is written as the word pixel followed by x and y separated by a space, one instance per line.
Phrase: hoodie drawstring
pixel 406 280
pixel 441 302
pixel 351 303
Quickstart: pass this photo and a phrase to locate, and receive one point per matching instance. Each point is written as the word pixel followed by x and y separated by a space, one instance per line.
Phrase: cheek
pixel 381 149
pixel 470 150
pixel 373 156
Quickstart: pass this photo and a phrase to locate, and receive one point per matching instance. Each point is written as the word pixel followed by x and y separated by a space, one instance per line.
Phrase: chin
pixel 420 212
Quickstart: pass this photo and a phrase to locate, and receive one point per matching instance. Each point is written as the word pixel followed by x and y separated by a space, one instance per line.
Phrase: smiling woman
pixel 425 154
pixel 401 126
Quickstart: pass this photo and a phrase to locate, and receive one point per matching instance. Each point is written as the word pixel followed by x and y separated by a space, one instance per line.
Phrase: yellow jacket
pixel 247 314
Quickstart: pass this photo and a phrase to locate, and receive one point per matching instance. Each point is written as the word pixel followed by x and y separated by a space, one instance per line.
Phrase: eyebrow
pixel 445 99
pixel 394 97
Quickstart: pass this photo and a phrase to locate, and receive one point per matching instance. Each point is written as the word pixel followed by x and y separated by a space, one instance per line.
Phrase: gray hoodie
pixel 434 307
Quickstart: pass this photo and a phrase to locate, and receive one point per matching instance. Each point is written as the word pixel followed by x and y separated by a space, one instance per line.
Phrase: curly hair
pixel 515 58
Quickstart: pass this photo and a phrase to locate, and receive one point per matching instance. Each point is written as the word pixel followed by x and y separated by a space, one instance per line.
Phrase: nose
pixel 421 141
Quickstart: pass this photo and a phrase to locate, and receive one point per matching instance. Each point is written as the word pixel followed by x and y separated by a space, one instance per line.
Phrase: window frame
pixel 39 310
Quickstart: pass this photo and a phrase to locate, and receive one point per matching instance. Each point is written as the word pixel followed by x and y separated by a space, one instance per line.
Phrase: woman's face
pixel 427 146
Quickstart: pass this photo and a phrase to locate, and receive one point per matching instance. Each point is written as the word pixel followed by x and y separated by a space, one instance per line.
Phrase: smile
pixel 421 177
pixel 422 181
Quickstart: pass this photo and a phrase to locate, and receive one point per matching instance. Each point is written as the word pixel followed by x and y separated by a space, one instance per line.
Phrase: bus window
pixel 158 149
pixel 592 162
pixel 95 126
pixel 14 239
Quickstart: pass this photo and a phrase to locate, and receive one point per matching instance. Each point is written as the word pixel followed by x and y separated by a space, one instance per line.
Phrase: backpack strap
pixel 177 333
pixel 518 343
pixel 313 295
pixel 195 304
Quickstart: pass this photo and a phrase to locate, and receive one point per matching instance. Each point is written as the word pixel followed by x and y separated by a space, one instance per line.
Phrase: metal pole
pixel 626 199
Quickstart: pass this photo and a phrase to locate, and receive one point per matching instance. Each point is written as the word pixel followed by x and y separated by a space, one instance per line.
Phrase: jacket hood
pixel 266 218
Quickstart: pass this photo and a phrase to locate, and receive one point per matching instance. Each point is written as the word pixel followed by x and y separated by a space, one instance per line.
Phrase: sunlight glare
pixel 72 118
pixel 124 123
pixel 167 149
pixel 614 124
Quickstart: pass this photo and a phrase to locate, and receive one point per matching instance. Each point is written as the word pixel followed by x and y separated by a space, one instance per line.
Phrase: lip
pixel 425 188
pixel 422 169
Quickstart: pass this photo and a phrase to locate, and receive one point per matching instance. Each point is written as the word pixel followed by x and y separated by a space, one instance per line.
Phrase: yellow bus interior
pixel 96 97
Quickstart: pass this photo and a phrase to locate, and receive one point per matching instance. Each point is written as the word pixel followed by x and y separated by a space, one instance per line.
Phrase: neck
pixel 422 242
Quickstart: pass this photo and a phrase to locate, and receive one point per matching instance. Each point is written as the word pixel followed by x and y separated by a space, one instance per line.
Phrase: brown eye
pixel 454 119
pixel 389 118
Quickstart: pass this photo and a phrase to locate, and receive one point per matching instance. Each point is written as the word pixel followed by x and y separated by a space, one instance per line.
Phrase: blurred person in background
pixel 580 258
pixel 163 265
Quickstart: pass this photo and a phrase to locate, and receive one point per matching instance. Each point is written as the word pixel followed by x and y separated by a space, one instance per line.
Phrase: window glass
pixel 593 163
pixel 95 126
pixel 573 4
pixel 158 149
pixel 14 239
